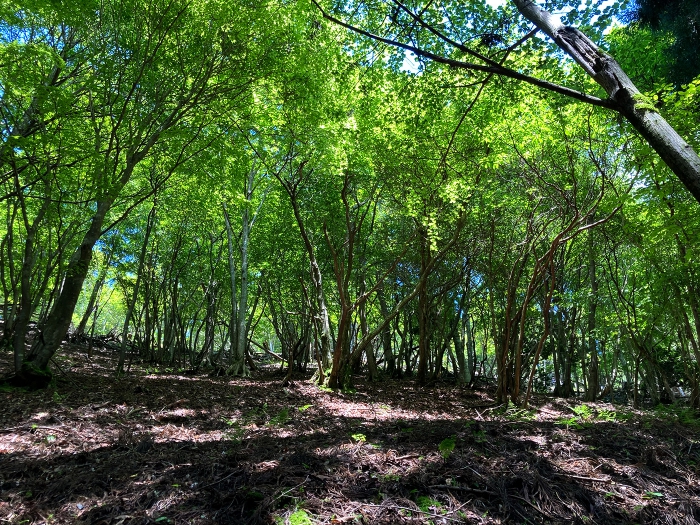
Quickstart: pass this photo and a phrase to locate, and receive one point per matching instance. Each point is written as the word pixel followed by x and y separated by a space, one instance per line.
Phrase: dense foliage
pixel 215 183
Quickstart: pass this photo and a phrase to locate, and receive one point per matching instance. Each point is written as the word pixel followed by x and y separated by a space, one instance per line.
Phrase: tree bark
pixel 238 366
pixel 35 368
pixel 321 314
pixel 25 305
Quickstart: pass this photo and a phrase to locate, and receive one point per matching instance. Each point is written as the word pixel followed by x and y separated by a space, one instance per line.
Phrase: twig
pixel 407 456
pixel 536 507
pixel 219 481
pixel 72 382
pixel 426 513
pixel 584 478
pixel 482 492
pixel 285 492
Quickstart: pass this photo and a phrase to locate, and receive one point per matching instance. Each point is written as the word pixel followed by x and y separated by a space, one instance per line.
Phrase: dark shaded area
pixel 680 18
pixel 163 448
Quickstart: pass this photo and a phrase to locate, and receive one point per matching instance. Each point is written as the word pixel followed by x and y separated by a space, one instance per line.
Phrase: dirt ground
pixel 160 447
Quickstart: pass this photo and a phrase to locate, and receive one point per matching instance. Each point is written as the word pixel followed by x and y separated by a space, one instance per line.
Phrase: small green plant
pixel 607 415
pixel 304 408
pixel 359 438
pixel 281 418
pixel 520 414
pixel 583 411
pixel 570 422
pixel 300 517
pixel 583 417
pixel 427 504
pixel 687 416
pixel 446 447
pixel 652 495
pixel 236 432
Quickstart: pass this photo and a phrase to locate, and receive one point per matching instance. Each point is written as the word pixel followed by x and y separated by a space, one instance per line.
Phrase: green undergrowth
pixel 298 517
pixel 586 416
pixel 685 415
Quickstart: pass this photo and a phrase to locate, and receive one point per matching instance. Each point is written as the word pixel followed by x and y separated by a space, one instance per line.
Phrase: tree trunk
pixel 93 297
pixel 593 387
pixel 132 303
pixel 233 318
pixel 390 363
pixel 34 370
pixel 321 312
pixel 423 328
pixel 238 366
pixel 25 304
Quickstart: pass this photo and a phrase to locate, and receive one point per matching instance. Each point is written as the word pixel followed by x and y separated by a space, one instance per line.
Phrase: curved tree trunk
pixel 34 369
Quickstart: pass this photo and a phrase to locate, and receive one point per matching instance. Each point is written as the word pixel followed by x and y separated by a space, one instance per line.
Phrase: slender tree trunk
pixel 25 304
pixel 93 297
pixel 423 328
pixel 390 363
pixel 233 318
pixel 316 278
pixel 593 387
pixel 238 366
pixel 132 303
pixel 35 368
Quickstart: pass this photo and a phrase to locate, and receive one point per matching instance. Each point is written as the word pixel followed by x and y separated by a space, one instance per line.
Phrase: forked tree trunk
pixel 321 314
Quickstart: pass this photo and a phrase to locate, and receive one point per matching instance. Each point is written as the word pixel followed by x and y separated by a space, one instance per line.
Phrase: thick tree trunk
pixel 674 151
pixel 35 368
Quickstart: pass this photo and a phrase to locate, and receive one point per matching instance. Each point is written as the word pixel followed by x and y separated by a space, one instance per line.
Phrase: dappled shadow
pixel 162 448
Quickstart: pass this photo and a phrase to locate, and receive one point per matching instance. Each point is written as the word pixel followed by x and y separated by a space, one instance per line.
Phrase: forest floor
pixel 159 447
